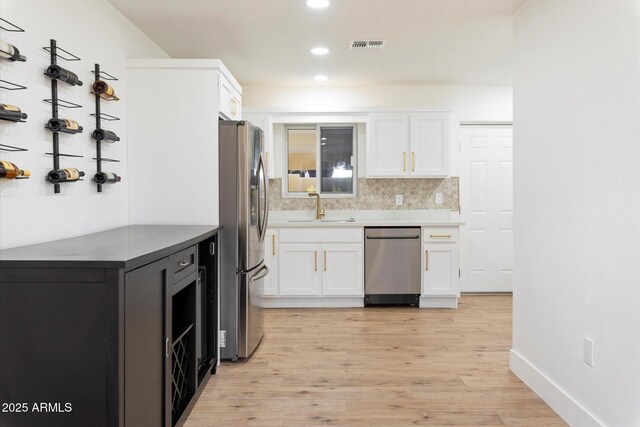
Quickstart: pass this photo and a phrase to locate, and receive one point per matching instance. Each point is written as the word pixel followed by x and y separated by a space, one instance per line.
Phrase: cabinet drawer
pixel 321 235
pixel 440 234
pixel 183 264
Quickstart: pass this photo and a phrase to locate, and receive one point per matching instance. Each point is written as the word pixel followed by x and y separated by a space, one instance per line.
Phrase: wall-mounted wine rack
pixel 100 75
pixel 56 102
pixel 7 85
pixel 10 27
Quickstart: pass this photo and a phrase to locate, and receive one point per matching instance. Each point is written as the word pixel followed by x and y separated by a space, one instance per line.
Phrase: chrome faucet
pixel 319 212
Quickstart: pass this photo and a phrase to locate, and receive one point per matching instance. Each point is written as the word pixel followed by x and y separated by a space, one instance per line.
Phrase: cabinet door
pixel 271 260
pixel 440 268
pixel 299 269
pixel 147 336
pixel 387 145
pixel 429 145
pixel 225 96
pixel 236 106
pixel 342 269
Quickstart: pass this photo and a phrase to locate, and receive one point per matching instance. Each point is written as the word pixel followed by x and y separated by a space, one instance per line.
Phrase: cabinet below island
pixel 117 328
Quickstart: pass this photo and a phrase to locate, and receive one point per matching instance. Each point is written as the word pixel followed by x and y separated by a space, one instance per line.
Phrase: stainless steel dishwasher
pixel 392 265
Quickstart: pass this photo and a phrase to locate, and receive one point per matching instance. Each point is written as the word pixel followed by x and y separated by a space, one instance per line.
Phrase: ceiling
pixel 268 41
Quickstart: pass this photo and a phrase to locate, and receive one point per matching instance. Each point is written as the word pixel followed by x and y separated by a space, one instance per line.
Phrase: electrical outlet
pixel 222 337
pixel 588 352
pixel 399 199
pixel 438 198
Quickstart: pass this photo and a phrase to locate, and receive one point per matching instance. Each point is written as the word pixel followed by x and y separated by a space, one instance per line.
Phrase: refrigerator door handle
pixel 265 222
pixel 263 211
pixel 260 274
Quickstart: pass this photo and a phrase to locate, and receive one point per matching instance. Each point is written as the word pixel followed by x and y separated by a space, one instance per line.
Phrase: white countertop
pixel 366 218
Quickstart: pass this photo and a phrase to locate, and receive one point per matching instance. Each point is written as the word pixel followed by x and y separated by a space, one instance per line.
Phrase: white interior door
pixel 486 204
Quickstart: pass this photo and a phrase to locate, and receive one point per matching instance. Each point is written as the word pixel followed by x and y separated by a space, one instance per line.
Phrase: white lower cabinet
pixel 441 268
pixel 299 269
pixel 342 269
pixel 317 267
pixel 271 260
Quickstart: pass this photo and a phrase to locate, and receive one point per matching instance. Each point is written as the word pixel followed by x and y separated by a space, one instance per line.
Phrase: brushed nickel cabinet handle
pixel 273 244
pixel 413 161
pixel 404 161
pixel 315 260
pixel 325 260
pixel 184 263
pixel 440 236
pixel 426 260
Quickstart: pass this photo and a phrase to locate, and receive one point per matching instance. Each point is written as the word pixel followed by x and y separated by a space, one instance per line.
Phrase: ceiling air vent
pixel 366 44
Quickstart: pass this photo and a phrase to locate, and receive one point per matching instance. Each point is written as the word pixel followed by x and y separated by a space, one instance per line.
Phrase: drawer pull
pixel 426 260
pixel 273 244
pixel 184 263
pixel 325 260
pixel 315 260
pixel 440 236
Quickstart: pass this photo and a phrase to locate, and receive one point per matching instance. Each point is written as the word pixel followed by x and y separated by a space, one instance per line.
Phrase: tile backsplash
pixel 378 193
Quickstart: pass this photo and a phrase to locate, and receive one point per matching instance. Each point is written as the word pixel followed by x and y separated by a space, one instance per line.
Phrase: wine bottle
pixel 11 112
pixel 106 178
pixel 10 52
pixel 104 91
pixel 63 125
pixel 105 135
pixel 10 171
pixel 64 75
pixel 64 175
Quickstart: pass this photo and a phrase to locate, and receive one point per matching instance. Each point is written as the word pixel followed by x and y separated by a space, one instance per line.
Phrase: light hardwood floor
pixel 377 367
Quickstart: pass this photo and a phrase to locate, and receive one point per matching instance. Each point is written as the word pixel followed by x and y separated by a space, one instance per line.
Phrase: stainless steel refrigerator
pixel 244 210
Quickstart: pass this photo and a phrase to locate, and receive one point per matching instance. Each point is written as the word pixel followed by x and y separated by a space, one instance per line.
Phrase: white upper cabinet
pixel 408 145
pixel 429 141
pixel 388 143
pixel 229 98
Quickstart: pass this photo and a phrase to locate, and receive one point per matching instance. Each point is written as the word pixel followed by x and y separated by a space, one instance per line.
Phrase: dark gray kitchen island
pixel 116 328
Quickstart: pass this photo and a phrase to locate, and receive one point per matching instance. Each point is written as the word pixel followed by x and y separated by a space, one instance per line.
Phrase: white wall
pixel 577 206
pixel 92 29
pixel 467 103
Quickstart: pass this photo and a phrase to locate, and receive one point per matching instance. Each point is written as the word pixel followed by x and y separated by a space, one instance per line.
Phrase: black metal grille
pixel 181 364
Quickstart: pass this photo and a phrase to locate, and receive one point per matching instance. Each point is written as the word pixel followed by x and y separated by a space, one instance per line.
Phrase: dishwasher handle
pixel 393 237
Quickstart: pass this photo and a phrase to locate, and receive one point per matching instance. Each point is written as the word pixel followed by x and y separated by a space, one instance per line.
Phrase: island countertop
pixel 124 247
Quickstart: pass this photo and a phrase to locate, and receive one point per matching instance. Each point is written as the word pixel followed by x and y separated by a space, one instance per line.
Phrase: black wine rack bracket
pixel 7 85
pixel 99 116
pixel 56 102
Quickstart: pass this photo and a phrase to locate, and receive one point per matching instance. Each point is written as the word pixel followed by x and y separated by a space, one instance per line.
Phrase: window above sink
pixel 320 158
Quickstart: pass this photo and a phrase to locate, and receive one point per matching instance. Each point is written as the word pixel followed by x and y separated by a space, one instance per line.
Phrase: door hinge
pixel 222 337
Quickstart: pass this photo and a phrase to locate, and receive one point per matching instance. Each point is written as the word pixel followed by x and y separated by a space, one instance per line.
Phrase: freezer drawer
pixel 392 264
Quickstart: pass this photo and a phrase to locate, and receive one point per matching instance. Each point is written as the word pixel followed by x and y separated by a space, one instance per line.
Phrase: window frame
pixel 286 194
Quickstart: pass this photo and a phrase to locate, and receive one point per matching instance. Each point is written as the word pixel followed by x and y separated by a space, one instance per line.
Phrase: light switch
pixel 399 199
pixel 438 198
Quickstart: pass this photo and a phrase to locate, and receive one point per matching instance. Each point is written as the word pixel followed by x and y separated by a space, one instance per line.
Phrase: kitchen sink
pixel 322 220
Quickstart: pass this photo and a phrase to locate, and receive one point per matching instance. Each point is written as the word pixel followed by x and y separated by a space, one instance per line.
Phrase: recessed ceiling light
pixel 319 50
pixel 318 4
pixel 320 78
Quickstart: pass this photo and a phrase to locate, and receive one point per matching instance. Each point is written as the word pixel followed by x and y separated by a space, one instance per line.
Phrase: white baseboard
pixel 558 399
pixel 439 301
pixel 313 302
